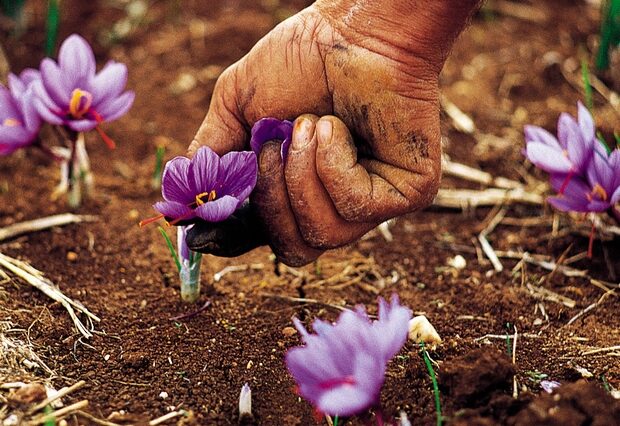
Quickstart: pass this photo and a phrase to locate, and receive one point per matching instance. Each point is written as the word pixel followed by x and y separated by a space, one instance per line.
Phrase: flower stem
pixel 431 372
pixel 190 278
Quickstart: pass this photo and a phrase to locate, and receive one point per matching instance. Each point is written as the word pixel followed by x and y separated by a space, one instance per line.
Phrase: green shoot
pixel 431 372
pixel 51 27
pixel 173 252
pixel 159 163
pixel 605 383
pixel 610 32
pixel 52 420
pixel 587 85
pixel 602 140
pixel 336 421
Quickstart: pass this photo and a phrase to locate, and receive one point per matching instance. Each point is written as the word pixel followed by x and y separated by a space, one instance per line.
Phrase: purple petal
pixel 16 86
pixel 586 122
pixel 599 172
pixel 240 172
pixel 83 125
pixel 392 328
pixel 598 206
pixel 547 158
pixel 113 109
pixel 569 204
pixel 579 148
pixel 615 197
pixel 538 134
pixel 174 210
pixel 14 135
pixel 174 182
pixel 8 106
pixel 45 113
pixel 182 247
pixel 268 129
pixel 109 82
pixel 29 75
pixel 204 171
pixel 55 83
pixel 77 61
pixel 218 210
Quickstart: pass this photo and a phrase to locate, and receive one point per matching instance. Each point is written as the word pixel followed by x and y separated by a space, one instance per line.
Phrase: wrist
pixel 401 29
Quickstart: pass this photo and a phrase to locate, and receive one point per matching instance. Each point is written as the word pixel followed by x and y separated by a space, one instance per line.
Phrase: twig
pixel 507 336
pixel 42 224
pixel 35 278
pixel 546 294
pixel 515 392
pixel 462 122
pixel 599 350
pixel 60 413
pixel 61 393
pixel 166 417
pixel 303 300
pixel 484 243
pixel 95 419
pixel 472 174
pixel 540 261
pixel 464 199
pixel 236 268
pixel 592 306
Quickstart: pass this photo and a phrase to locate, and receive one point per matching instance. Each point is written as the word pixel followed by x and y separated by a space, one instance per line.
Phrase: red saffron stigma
pixel 108 140
pixel 150 220
pixel 566 181
pixel 591 241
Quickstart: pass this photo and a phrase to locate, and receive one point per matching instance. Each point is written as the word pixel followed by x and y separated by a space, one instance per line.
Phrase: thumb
pixel 223 129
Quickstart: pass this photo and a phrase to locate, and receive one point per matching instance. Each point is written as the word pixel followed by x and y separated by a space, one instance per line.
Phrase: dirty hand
pixel 372 64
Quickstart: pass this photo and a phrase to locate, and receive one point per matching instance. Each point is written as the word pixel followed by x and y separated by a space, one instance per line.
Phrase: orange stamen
pixel 212 195
pixel 150 220
pixel 76 109
pixel 108 140
pixel 600 191
pixel 11 122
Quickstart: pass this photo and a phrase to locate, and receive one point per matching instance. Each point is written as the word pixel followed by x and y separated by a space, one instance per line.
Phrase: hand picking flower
pixel 341 368
pixel 206 187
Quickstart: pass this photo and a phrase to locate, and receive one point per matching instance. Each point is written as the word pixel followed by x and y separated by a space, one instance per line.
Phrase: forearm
pixel 426 29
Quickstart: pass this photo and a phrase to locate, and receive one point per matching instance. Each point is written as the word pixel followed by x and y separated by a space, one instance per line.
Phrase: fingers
pixel 271 202
pixel 371 190
pixel 236 235
pixel 223 128
pixel 319 222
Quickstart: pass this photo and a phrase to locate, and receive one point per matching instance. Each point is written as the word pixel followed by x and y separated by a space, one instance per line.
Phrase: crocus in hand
pixel 207 186
pixel 19 121
pixel 72 94
pixel 269 129
pixel 570 152
pixel 341 368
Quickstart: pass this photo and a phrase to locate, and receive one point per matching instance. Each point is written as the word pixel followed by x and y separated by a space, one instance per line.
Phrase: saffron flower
pixel 597 191
pixel 341 368
pixel 19 121
pixel 570 152
pixel 207 186
pixel 269 129
pixel 72 94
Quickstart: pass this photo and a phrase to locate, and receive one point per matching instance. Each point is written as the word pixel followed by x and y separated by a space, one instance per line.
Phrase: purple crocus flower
pixel 72 94
pixel 549 385
pixel 570 152
pixel 268 129
pixel 19 121
pixel 341 368
pixel 597 191
pixel 207 186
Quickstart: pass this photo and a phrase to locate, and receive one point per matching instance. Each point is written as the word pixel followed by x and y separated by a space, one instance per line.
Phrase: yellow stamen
pixel 600 191
pixel 11 122
pixel 212 195
pixel 76 108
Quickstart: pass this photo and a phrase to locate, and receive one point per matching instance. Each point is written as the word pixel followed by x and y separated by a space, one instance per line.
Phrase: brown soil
pixel 498 74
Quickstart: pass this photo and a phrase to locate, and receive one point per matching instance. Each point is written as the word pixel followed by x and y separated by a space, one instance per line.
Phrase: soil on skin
pixel 504 72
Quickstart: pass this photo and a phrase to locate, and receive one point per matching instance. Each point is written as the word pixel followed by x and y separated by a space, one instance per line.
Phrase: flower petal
pixel 217 210
pixel 204 170
pixel 109 82
pixel 568 204
pixel 113 109
pixel 174 210
pixel 8 106
pixel 77 61
pixel 538 134
pixel 547 158
pixel 586 122
pixel 45 113
pixel 55 83
pixel 240 171
pixel 267 129
pixel 84 125
pixel 174 182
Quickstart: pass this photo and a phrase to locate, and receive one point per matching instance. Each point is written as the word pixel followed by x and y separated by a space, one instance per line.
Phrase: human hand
pixel 380 80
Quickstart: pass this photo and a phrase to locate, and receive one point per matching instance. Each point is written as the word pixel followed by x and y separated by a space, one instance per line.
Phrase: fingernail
pixel 269 160
pixel 325 130
pixel 302 133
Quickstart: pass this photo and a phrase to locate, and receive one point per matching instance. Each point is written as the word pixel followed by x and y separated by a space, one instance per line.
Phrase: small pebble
pixel 250 364
pixel 289 331
pixel 163 395
pixel 457 262
pixel 72 256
